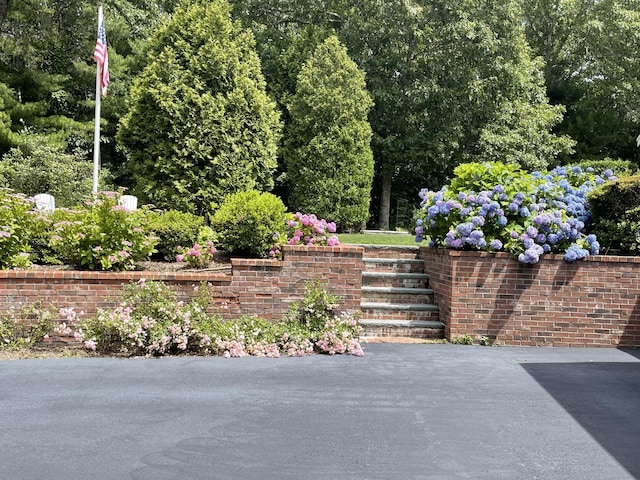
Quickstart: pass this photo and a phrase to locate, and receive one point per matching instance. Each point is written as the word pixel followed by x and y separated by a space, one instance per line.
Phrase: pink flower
pixel 333 240
pixel 179 258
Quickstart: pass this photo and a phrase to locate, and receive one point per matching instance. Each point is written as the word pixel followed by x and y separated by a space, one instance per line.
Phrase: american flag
pixel 100 53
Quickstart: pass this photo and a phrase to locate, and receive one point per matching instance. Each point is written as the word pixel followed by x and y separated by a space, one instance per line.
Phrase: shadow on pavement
pixel 603 397
pixel 631 351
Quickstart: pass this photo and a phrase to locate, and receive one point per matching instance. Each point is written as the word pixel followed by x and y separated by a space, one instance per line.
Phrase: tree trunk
pixel 385 201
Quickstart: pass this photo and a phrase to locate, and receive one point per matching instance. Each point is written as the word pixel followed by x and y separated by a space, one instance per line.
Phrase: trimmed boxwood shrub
pixel 246 222
pixel 174 229
pixel 618 167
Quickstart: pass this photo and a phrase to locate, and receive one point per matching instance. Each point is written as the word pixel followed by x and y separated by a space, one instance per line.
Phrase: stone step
pixel 390 251
pixel 394 265
pixel 393 279
pixel 397 295
pixel 389 329
pixel 399 311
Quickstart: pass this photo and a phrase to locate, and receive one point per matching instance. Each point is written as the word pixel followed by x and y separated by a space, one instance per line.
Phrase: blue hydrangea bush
pixel 498 207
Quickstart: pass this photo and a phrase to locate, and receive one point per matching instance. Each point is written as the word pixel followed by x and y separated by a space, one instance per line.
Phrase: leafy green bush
pixel 615 209
pixel 174 229
pixel 103 235
pixel 40 239
pixel 247 221
pixel 41 166
pixel 16 226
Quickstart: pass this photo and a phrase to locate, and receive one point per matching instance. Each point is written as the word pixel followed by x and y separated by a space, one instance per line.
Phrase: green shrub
pixel 103 235
pixel 247 221
pixel 174 229
pixel 16 226
pixel 618 167
pixel 41 165
pixel 463 340
pixel 40 239
pixel 615 215
pixel 26 327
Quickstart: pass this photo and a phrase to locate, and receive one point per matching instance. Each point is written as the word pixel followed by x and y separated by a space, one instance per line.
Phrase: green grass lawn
pixel 377 239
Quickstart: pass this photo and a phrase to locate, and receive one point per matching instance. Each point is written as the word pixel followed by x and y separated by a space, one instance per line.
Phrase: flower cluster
pixel 524 214
pixel 304 229
pixel 197 256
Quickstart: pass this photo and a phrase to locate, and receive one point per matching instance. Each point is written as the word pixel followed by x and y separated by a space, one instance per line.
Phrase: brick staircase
pixel 396 301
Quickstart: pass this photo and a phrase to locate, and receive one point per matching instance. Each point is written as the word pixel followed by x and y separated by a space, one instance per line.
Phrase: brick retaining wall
pixel 262 287
pixel 587 303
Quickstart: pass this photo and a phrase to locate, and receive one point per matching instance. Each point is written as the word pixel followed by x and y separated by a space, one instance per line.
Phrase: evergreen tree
pixel 199 124
pixel 327 153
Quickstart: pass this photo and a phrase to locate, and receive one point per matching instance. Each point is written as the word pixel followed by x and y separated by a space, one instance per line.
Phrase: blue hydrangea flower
pixel 524 212
pixel 575 252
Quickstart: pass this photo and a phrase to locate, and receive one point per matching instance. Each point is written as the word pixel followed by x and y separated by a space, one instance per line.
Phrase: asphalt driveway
pixel 400 412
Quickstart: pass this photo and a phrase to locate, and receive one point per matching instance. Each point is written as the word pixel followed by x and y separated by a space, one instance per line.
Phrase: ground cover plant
pixel 151 321
pixel 498 207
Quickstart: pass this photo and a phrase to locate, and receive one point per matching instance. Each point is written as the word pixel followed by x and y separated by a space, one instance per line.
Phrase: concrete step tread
pixel 417 291
pixel 401 323
pixel 392 260
pixel 399 306
pixel 395 275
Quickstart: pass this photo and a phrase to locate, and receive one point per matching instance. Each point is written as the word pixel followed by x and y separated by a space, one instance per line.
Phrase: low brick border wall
pixel 262 287
pixel 593 302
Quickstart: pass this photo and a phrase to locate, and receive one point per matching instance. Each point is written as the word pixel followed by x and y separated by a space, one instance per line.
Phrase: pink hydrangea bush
pixel 303 229
pixel 198 256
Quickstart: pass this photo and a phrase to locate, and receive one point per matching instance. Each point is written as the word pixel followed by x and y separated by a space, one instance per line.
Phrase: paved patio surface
pixel 409 411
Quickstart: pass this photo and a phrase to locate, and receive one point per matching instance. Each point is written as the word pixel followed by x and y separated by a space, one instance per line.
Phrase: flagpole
pixel 96 128
pixel 96 135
